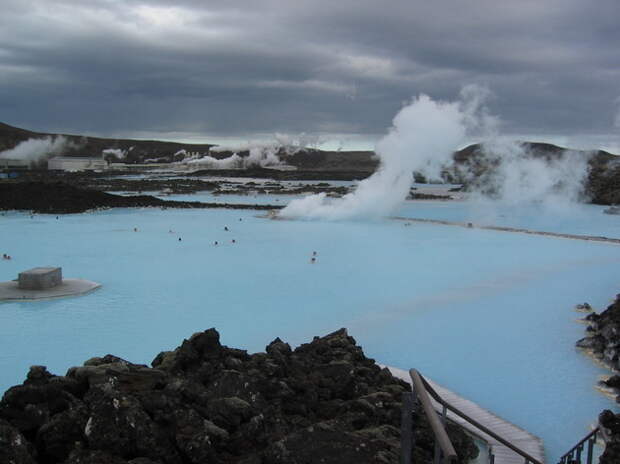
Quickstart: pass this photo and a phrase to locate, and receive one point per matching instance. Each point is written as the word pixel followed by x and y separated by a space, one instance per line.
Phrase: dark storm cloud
pixel 248 67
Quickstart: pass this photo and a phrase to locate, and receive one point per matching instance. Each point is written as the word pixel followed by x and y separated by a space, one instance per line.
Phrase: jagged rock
pixel 326 443
pixel 13 445
pixel 37 375
pixel 583 307
pixel 603 340
pixel 207 403
pixel 93 457
pixel 63 432
pixel 604 343
pixel 612 382
pixel 595 342
pixel 611 422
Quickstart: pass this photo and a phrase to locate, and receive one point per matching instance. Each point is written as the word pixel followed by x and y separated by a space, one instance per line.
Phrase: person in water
pixel 313 260
pixel 226 228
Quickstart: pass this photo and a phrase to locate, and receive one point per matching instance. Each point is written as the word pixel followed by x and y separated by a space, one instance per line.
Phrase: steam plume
pixel 34 150
pixel 260 154
pixel 423 138
pixel 115 152
pixel 515 175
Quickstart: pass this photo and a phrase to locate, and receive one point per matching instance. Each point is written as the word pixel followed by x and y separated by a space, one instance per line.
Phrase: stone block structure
pixel 40 278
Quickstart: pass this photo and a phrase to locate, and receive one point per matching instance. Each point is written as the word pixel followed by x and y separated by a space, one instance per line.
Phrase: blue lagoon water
pixel 487 314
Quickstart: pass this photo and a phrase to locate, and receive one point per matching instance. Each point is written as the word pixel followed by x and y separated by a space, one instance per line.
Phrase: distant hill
pixel 139 151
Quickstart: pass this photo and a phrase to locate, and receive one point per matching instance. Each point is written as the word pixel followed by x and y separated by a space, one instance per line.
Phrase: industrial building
pixel 8 163
pixel 72 164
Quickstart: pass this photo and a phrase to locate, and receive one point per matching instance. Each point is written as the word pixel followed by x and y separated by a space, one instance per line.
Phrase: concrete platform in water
pixel 10 291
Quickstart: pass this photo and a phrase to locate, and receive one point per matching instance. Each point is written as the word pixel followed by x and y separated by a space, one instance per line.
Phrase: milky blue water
pixel 487 314
pixel 577 219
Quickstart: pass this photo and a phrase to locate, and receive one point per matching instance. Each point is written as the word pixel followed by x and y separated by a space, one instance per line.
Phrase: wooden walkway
pixel 520 438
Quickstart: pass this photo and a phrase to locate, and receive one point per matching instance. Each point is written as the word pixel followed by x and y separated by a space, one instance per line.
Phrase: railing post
pixel 590 449
pixel 438 453
pixel 579 449
pixel 406 428
pixel 491 456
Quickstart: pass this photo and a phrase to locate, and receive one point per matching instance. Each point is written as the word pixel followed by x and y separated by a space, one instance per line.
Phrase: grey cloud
pixel 238 68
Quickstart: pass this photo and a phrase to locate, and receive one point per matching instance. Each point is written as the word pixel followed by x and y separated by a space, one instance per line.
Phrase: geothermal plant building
pixel 65 163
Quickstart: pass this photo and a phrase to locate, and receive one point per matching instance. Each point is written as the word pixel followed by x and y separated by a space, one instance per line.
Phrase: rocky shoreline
pixel 603 343
pixel 62 198
pixel 203 402
pixel 603 340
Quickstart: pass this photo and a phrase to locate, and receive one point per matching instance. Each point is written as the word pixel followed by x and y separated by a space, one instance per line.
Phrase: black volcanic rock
pixel 206 403
pixel 603 342
pixel 58 197
pixel 603 338
pixel 611 423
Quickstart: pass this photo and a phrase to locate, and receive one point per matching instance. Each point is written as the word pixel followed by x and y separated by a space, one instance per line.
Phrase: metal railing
pixel 444 451
pixel 575 454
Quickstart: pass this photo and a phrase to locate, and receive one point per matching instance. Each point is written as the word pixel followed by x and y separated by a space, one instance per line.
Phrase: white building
pixel 8 163
pixel 72 164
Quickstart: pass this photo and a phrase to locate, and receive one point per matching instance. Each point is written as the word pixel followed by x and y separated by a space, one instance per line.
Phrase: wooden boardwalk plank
pixel 520 438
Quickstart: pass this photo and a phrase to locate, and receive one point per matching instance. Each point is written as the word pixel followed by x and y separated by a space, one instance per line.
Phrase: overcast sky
pixel 210 70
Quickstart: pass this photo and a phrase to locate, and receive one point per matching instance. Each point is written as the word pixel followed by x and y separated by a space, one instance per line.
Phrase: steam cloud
pixel 34 150
pixel 116 152
pixel 260 154
pixel 423 138
pixel 516 176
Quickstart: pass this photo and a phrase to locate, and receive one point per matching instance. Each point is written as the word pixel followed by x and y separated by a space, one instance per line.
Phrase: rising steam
pixel 115 153
pixel 517 175
pixel 34 150
pixel 266 154
pixel 423 137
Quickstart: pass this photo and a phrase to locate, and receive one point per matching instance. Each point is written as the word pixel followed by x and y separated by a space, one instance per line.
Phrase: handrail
pixel 477 424
pixel 438 429
pixel 427 388
pixel 578 448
